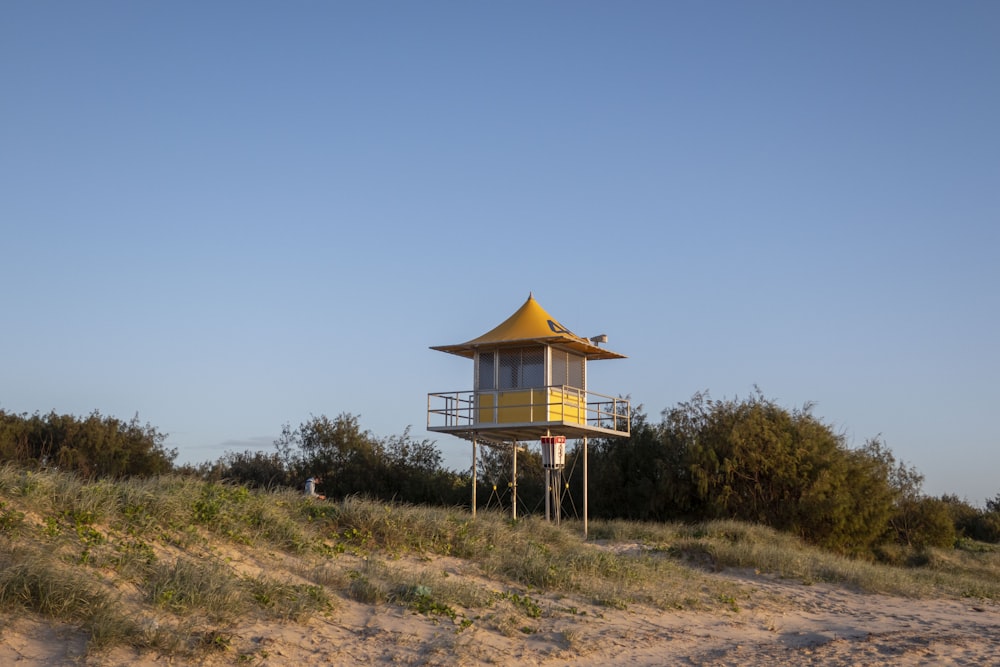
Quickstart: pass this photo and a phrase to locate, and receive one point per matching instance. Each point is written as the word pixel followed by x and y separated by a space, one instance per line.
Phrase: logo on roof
pixel 559 329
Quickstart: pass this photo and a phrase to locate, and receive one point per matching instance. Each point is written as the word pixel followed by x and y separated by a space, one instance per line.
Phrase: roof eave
pixel 592 352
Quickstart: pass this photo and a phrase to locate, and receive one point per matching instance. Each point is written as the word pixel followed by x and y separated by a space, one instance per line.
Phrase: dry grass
pixel 169 564
pixel 969 570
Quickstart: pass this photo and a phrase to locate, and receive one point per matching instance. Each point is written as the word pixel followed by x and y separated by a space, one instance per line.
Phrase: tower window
pixel 521 367
pixel 567 369
pixel 485 373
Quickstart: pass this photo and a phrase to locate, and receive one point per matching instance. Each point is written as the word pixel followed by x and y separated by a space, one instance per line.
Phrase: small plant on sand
pixel 419 599
pixel 10 520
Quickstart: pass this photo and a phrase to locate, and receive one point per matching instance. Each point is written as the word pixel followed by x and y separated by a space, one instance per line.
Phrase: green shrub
pixel 93 446
pixel 750 460
pixel 923 522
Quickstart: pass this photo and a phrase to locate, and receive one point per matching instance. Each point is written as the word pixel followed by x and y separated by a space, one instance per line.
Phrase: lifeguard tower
pixel 530 383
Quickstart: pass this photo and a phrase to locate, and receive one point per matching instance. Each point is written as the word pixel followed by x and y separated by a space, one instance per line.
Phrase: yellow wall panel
pixel 515 407
pixel 485 404
pixel 567 407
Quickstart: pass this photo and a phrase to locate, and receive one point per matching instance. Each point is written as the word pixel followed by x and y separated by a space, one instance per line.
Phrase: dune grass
pixel 173 563
pixel 969 570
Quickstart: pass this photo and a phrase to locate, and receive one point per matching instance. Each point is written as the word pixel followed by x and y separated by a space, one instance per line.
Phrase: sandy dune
pixel 781 622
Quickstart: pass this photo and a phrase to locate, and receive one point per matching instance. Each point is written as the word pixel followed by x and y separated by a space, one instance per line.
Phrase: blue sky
pixel 230 216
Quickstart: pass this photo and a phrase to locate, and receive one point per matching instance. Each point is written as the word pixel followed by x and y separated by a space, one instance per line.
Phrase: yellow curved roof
pixel 530 324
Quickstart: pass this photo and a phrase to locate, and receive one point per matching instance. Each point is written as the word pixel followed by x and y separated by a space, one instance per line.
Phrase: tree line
pixel 94 446
pixel 748 459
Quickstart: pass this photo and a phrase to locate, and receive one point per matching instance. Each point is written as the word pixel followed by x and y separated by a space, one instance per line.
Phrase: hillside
pixel 172 570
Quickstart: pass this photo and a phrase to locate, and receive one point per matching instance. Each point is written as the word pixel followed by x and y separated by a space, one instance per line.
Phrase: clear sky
pixel 228 216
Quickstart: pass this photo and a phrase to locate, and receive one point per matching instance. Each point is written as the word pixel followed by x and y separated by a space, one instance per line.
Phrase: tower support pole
pixel 475 480
pixel 557 494
pixel 586 485
pixel 513 483
pixel 548 495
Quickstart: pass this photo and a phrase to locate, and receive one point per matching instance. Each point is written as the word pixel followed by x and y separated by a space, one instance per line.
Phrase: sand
pixel 782 622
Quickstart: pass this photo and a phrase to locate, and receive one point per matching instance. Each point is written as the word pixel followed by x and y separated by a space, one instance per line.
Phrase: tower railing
pixel 554 404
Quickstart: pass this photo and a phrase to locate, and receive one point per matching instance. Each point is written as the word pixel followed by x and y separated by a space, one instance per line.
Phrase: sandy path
pixel 818 624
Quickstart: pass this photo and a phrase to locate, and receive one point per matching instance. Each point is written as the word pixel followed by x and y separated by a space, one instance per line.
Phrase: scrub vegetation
pixel 744 459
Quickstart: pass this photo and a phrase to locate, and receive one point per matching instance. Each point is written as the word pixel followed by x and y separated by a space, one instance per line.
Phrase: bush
pixel 923 522
pixel 750 460
pixel 985 527
pixel 257 470
pixel 93 446
pixel 352 461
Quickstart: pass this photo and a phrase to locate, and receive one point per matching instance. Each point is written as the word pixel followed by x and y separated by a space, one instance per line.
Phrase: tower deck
pixel 521 415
